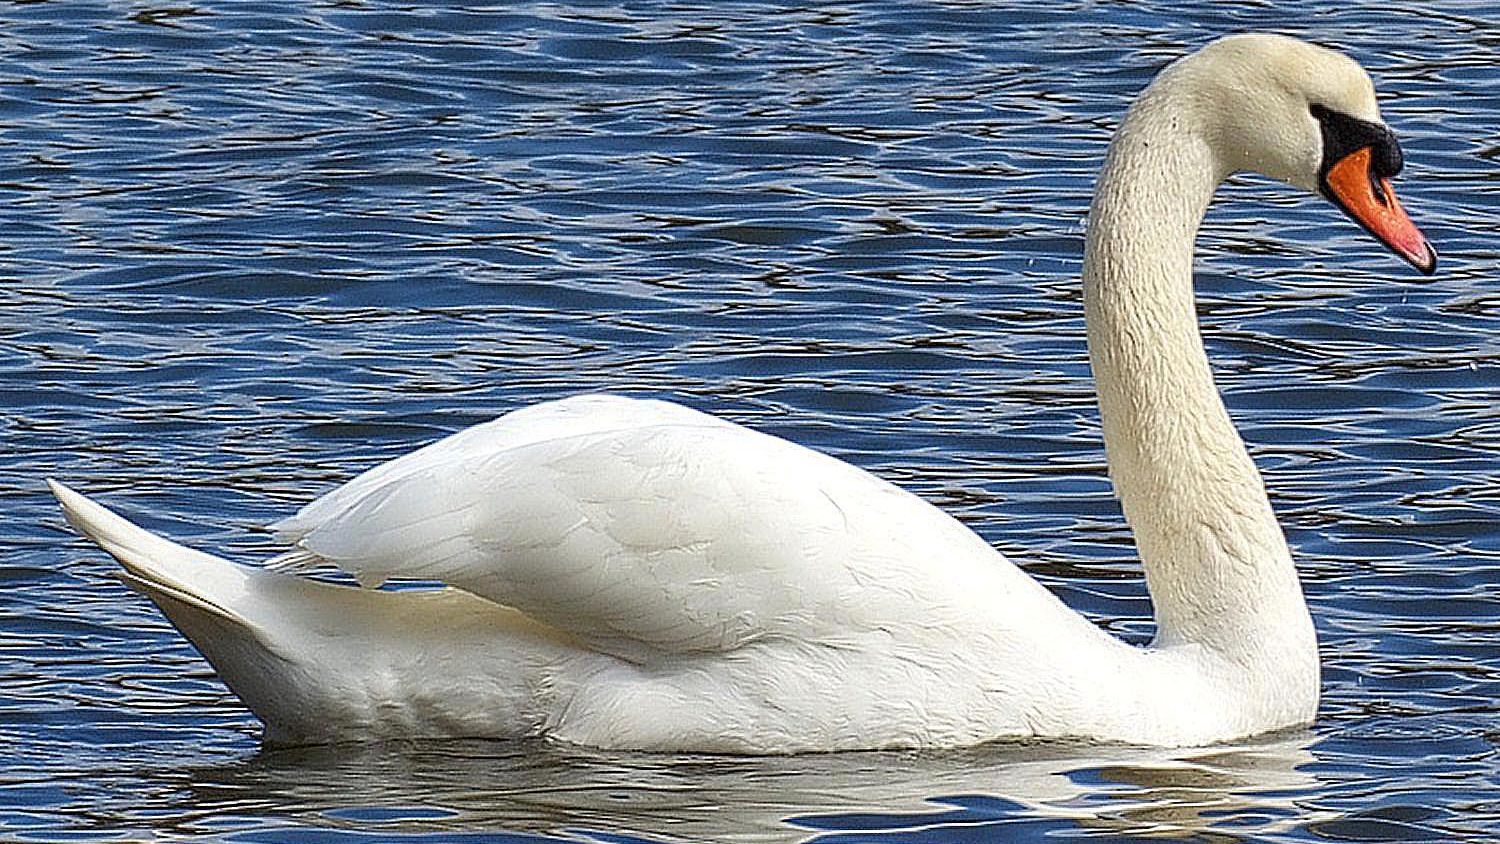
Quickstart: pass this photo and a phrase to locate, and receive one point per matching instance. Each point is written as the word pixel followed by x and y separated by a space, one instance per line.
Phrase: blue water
pixel 250 250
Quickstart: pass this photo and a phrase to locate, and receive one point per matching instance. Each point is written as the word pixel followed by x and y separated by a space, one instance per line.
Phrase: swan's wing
pixel 644 527
pixel 555 420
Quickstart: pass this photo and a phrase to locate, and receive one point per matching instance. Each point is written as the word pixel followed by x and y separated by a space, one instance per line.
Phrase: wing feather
pixel 644 527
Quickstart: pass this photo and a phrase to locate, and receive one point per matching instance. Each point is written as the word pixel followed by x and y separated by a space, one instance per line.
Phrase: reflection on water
pixel 1021 791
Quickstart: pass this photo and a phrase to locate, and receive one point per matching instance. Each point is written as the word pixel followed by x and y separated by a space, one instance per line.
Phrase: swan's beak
pixel 1353 185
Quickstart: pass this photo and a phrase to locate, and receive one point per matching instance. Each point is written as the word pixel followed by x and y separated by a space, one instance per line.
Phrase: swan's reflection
pixel 572 793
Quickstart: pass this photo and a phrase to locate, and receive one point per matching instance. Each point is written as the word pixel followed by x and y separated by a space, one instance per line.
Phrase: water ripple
pixel 251 249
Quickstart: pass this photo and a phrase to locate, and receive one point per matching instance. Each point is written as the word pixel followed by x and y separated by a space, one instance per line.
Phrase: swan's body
pixel 635 574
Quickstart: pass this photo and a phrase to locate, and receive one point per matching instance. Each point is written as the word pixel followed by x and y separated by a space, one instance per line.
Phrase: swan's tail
pixel 176 578
pixel 216 604
pixel 320 662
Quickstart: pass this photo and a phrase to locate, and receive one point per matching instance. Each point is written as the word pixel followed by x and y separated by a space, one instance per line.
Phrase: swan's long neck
pixel 1216 562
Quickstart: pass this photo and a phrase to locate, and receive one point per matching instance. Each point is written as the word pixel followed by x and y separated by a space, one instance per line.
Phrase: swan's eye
pixel 1343 134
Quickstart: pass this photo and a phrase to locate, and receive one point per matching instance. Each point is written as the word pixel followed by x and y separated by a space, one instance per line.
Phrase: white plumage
pixel 646 530
pixel 636 574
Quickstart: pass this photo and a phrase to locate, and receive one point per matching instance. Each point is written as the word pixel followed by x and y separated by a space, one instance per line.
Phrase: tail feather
pixel 154 565
pixel 321 662
pixel 216 604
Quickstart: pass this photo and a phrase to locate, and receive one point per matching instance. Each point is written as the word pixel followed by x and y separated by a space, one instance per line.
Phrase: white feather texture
pixel 636 574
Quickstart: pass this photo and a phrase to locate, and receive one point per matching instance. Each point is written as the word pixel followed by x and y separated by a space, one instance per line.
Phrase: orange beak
pixel 1369 199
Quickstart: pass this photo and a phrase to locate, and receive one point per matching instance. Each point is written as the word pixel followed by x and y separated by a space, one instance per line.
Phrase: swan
pixel 634 574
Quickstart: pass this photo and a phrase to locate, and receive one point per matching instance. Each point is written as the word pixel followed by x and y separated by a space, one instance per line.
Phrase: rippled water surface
pixel 251 249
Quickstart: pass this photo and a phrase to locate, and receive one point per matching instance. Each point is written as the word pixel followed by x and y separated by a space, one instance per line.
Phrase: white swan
pixel 634 574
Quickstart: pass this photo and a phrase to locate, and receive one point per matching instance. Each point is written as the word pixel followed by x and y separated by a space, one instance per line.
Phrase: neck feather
pixel 1215 559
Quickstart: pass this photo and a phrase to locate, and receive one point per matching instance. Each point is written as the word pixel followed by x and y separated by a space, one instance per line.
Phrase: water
pixel 248 251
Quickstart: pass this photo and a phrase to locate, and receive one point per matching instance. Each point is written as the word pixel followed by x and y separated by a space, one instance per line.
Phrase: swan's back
pixel 642 528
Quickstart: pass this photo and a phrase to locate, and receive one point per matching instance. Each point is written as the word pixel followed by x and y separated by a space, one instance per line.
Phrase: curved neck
pixel 1215 559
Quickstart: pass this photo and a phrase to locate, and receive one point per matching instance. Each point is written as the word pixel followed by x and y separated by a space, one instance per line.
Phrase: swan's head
pixel 1305 115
